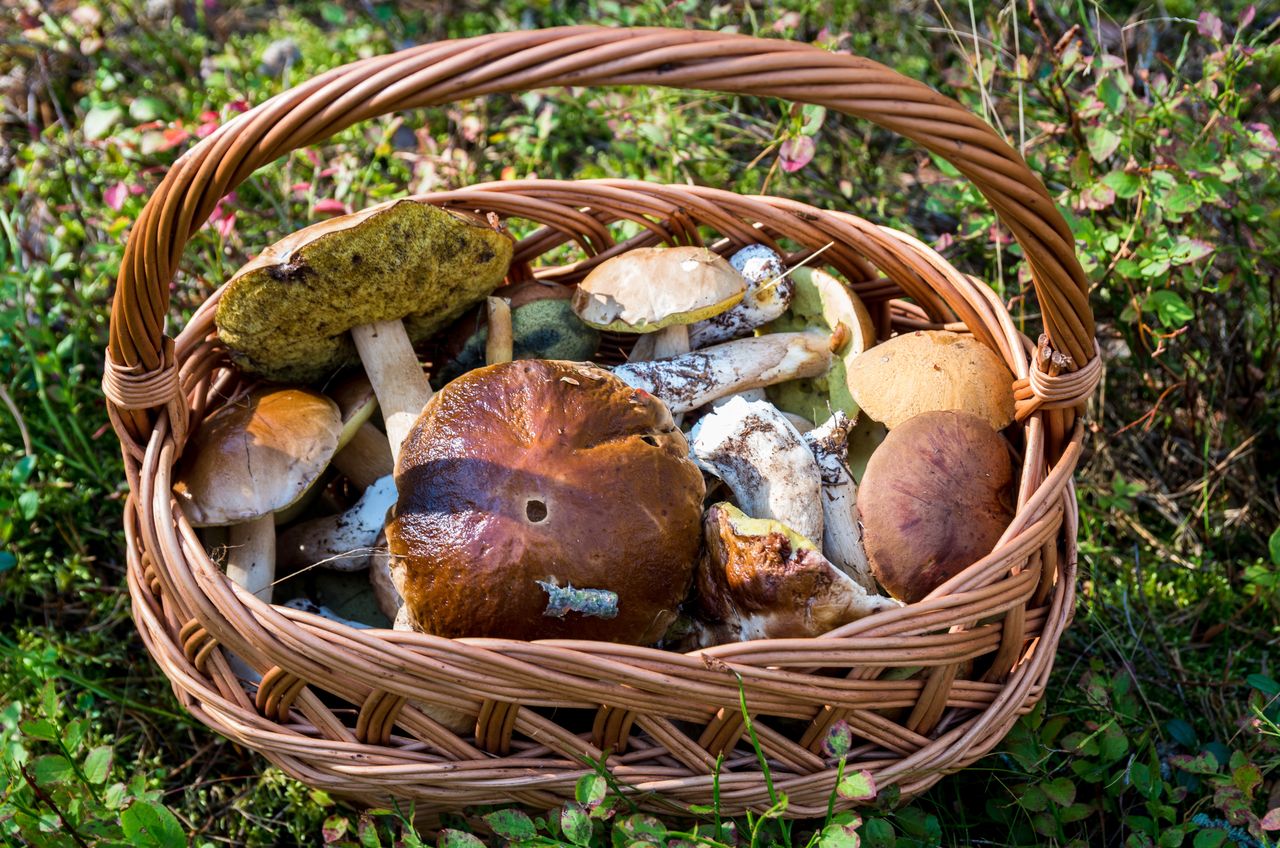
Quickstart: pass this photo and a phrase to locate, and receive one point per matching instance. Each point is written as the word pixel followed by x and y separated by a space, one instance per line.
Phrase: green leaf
pixel 1182 200
pixel 1102 142
pixel 148 824
pixel 1124 184
pixel 1211 838
pixel 1206 763
pixel 1261 682
pixel 29 504
pixel 839 836
pixel 145 109
pixel 1060 791
pixel 22 469
pixel 1032 797
pixel 641 828
pixel 41 729
pixel 1111 93
pixel 1169 307
pixel 99 120
pixel 1187 250
pixel 1273 546
pixel 7 561
pixel 97 766
pixel 1182 732
pixel 575 824
pixel 1140 779
pixel 51 769
pixel 512 825
pixel 856 786
pixel 878 833
pixel 590 790
pixel 451 838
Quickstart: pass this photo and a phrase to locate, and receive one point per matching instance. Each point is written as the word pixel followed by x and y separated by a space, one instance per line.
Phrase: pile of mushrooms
pixel 758 468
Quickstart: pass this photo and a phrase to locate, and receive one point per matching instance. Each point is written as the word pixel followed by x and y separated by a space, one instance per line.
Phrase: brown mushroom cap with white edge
pixel 932 370
pixel 256 455
pixel 936 497
pixel 650 288
pixel 545 499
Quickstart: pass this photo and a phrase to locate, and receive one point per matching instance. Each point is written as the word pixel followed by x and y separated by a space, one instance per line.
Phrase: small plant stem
pixel 46 798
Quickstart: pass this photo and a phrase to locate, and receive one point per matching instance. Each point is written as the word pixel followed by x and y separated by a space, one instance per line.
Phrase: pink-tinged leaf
pixel 1263 136
pixel 330 207
pixel 114 195
pixel 856 786
pixel 227 226
pixel 944 241
pixel 996 235
pixel 1210 26
pixel 796 152
pixel 238 106
pixel 300 188
pixel 1271 821
pixel 1247 16
pixel 136 189
pixel 327 172
pixel 1097 197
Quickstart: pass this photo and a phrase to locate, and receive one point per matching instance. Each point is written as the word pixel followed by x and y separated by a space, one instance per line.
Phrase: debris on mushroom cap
pixel 543 326
pixel 256 455
pixel 841 528
pixel 649 288
pixel 768 295
pixel 936 498
pixel 691 380
pixel 534 474
pixel 759 579
pixel 286 314
pixel 754 449
pixel 822 300
pixel 932 370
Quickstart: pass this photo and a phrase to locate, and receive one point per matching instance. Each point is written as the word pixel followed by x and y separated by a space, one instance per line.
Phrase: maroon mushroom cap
pixel 935 498
pixel 525 478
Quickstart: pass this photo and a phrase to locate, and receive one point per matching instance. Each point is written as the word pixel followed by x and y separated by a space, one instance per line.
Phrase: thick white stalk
pixel 754 449
pixel 251 555
pixel 396 376
pixel 344 541
pixel 694 379
pixel 841 523
pixel 365 458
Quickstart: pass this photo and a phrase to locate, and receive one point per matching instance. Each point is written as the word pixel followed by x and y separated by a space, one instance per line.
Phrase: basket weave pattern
pixel 925 689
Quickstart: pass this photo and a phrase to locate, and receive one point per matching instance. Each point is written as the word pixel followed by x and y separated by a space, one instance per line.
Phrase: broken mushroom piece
pixel 344 541
pixel 658 290
pixel 759 579
pixel 249 459
pixel 363 453
pixel 768 295
pixel 366 282
pixel 931 370
pixel 754 449
pixel 545 499
pixel 936 498
pixel 823 301
pixel 841 529
pixel 695 379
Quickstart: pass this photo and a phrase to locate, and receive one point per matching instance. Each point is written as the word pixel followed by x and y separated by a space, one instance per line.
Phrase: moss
pixel 289 319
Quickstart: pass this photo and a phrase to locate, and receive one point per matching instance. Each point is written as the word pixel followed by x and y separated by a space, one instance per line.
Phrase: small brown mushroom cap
pixel 286 313
pixel 932 370
pixel 936 497
pixel 649 288
pixel 545 499
pixel 256 455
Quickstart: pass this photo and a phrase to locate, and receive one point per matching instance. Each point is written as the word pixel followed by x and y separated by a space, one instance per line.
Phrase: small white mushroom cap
pixel 768 295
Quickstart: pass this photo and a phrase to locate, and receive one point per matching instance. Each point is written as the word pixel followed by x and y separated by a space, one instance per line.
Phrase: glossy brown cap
pixel 256 455
pixel 524 478
pixel 936 497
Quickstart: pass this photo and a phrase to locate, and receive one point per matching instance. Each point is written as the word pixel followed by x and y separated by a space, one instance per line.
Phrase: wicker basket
pixel 341 709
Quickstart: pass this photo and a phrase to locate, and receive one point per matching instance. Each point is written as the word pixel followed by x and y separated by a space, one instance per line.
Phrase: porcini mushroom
pixel 759 455
pixel 344 541
pixel 248 460
pixel 841 530
pixel 543 326
pixel 658 290
pixel 365 282
pixel 691 380
pixel 759 579
pixel 769 292
pixel 936 498
pixel 932 370
pixel 545 499
pixel 363 453
pixel 824 302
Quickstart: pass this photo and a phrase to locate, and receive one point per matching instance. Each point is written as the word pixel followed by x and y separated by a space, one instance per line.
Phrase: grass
pixel 1152 124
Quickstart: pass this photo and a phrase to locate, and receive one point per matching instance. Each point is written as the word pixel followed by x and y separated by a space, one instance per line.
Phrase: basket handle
pixel 141 373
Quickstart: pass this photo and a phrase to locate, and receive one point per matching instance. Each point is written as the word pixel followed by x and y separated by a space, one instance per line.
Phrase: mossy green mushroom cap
pixel 287 314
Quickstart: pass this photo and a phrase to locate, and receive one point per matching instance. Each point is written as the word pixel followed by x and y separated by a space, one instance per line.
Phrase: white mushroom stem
pixel 769 294
pixel 841 527
pixel 500 345
pixel 754 449
pixel 691 380
pixel 365 458
pixel 251 555
pixel 671 341
pixel 307 605
pixel 396 376
pixel 344 541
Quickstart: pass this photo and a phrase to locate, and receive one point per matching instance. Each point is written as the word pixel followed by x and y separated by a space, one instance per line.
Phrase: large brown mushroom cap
pixel 256 455
pixel 524 478
pixel 931 370
pixel 936 497
pixel 287 313
pixel 649 288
